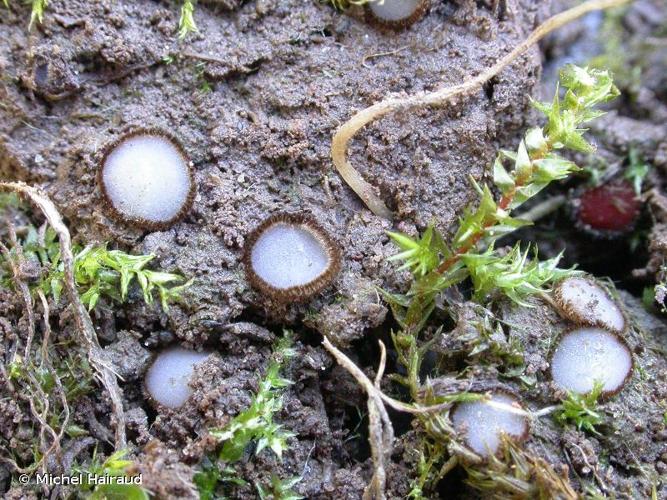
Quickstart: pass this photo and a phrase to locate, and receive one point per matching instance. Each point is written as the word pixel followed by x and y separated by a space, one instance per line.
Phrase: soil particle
pixel 137 425
pixel 128 358
pixel 163 474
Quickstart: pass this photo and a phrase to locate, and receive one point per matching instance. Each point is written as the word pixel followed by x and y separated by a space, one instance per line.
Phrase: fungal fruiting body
pixel 167 380
pixel 484 421
pixel 396 14
pixel 584 302
pixel 146 179
pixel 608 210
pixel 290 257
pixel 588 355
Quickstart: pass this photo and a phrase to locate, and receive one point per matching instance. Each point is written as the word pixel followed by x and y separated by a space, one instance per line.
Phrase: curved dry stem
pixel 84 324
pixel 341 139
pixel 381 431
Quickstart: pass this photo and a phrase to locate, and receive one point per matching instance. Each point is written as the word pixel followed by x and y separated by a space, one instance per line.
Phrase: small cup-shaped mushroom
pixel 146 179
pixel 396 14
pixel 290 257
pixel 609 210
pixel 584 302
pixel 586 356
pixel 167 379
pixel 484 421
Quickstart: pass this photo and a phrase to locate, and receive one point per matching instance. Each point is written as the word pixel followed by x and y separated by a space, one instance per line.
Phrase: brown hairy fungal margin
pixel 300 293
pixel 398 24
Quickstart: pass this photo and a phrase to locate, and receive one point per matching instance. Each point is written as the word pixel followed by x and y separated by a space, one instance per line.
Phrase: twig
pixel 381 54
pixel 96 355
pixel 343 136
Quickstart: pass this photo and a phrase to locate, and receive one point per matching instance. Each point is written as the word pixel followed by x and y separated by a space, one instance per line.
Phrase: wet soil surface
pixel 255 98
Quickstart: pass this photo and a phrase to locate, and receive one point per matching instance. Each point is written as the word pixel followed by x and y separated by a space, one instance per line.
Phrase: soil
pixel 255 97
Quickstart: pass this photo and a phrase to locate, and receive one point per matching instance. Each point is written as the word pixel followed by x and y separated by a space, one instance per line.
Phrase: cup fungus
pixel 588 355
pixel 608 210
pixel 167 379
pixel 290 257
pixel 396 14
pixel 584 302
pixel 146 179
pixel 484 422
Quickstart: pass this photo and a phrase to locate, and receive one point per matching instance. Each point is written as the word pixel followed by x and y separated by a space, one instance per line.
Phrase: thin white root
pixel 341 139
pixel 84 324
pixel 381 431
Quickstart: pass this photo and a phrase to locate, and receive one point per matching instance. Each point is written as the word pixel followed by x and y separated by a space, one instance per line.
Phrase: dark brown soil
pixel 255 98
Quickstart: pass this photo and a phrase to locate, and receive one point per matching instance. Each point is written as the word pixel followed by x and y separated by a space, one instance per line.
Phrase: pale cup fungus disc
pixel 167 380
pixel 290 257
pixel 585 302
pixel 394 10
pixel 586 355
pixel 484 423
pixel 146 179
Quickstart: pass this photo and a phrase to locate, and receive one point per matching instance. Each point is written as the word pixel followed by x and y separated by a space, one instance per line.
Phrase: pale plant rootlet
pixel 253 425
pixel 437 265
pixel 118 469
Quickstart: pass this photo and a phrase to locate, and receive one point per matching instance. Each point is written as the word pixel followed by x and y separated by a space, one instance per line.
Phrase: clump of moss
pixel 98 272
pixel 520 474
pixel 438 265
pixel 254 425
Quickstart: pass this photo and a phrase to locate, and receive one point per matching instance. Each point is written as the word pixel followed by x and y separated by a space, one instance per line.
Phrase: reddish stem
pixel 503 204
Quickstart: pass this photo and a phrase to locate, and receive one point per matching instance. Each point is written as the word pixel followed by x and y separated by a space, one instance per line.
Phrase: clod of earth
pixel 290 257
pixel 588 355
pixel 608 210
pixel 485 421
pixel 167 380
pixel 146 179
pixel 584 302
pixel 397 14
